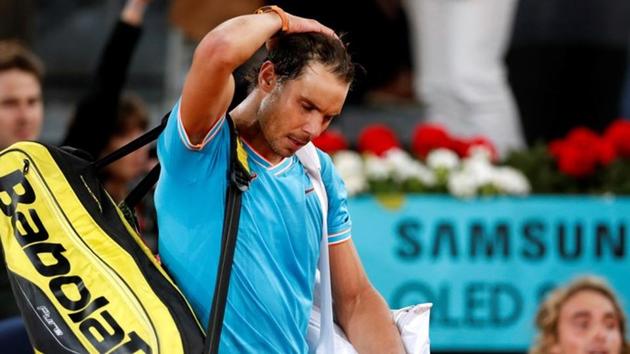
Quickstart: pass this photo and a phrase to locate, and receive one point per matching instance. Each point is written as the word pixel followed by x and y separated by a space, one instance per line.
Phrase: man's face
pixel 21 107
pixel 588 324
pixel 297 111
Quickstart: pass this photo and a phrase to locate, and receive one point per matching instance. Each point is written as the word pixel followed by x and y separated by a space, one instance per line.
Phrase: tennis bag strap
pixel 238 182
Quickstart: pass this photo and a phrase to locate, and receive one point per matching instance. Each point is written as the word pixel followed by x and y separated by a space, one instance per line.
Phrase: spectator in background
pixel 567 64
pixel 103 122
pixel 583 317
pixel 105 119
pixel 21 103
pixel 21 118
pixel 460 74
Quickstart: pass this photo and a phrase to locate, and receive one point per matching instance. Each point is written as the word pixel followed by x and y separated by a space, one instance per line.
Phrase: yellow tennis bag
pixel 82 277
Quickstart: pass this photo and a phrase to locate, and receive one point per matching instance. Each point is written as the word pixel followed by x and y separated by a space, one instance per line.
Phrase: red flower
pixel 607 152
pixel 377 139
pixel 579 154
pixel 427 137
pixel 556 147
pixel 331 142
pixel 573 161
pixel 618 134
pixel 460 146
pixel 583 137
pixel 592 144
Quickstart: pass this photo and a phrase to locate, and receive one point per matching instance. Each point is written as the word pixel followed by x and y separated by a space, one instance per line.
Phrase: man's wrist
pixel 278 12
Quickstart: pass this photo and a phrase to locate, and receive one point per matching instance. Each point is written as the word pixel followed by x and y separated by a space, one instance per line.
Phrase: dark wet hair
pixel 291 53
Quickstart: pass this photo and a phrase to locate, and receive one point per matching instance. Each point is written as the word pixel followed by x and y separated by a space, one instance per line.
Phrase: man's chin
pixel 22 136
pixel 284 151
pixel 293 149
pixel 288 152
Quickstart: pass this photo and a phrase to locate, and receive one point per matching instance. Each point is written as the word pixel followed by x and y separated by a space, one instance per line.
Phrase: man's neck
pixel 245 117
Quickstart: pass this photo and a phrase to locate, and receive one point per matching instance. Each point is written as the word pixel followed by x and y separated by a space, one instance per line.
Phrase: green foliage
pixel 545 177
pixel 616 177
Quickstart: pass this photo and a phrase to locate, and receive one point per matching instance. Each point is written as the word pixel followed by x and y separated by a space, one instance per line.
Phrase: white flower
pixel 479 169
pixel 350 161
pixel 511 181
pixel 355 184
pixel 404 167
pixel 398 157
pixel 349 165
pixel 442 159
pixel 400 164
pixel 462 184
pixel 479 152
pixel 377 168
pixel 422 173
pixel 463 178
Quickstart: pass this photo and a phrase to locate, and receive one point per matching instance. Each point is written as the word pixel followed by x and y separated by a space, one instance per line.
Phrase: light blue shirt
pixel 271 286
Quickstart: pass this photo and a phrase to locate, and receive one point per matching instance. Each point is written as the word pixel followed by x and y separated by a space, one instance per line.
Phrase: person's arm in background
pixel 360 309
pixel 96 113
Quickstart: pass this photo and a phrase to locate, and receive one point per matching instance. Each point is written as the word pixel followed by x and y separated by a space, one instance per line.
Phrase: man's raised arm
pixel 209 85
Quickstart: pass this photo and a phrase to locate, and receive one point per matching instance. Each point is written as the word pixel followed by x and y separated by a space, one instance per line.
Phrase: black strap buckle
pixel 240 178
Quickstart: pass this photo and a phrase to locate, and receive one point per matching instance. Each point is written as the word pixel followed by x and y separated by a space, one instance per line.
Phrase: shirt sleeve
pixel 188 162
pixel 339 222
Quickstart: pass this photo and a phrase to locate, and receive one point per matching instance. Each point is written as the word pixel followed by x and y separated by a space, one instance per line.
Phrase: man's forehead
pixel 19 82
pixel 322 87
pixel 588 303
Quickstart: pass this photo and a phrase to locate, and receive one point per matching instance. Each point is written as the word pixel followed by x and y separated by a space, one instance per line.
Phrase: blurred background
pixel 490 135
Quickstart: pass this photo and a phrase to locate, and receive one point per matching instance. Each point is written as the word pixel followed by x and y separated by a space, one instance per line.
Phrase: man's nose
pixel 23 113
pixel 601 334
pixel 26 112
pixel 313 127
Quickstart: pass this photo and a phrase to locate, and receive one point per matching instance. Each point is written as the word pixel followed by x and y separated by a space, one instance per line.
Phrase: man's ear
pixel 267 77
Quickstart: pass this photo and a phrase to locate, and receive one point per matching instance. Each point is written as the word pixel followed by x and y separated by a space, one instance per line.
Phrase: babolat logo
pixel 95 322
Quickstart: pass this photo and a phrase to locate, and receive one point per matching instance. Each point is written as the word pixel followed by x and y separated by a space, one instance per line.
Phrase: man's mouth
pixel 298 142
pixel 23 134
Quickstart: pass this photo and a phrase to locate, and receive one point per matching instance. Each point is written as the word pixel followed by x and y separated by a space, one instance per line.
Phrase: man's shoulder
pixel 175 132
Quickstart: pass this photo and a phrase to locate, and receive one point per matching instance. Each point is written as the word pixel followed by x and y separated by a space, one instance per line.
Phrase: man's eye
pixel 9 103
pixel 307 108
pixel 611 324
pixel 34 101
pixel 581 324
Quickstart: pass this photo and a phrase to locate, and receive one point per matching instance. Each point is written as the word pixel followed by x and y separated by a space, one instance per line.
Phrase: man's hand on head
pixel 298 24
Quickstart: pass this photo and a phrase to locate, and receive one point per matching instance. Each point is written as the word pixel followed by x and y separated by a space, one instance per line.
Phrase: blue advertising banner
pixel 486 263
